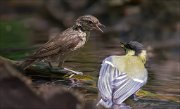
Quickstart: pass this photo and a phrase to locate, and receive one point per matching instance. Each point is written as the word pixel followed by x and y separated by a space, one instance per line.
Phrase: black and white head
pixel 88 23
pixel 134 48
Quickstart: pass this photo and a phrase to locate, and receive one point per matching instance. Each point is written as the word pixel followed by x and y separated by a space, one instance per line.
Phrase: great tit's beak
pixel 97 27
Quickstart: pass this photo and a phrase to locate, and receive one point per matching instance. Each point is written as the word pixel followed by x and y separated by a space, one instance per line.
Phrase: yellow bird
pixel 122 76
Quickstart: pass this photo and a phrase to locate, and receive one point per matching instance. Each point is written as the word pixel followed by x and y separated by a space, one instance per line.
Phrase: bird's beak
pixel 97 27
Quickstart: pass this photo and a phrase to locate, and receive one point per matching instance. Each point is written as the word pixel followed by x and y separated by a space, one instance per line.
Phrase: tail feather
pixel 27 63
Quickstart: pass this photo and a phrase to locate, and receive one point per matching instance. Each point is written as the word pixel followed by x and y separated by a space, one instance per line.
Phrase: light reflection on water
pixel 164 76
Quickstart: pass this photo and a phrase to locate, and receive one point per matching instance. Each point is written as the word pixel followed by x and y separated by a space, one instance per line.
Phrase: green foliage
pixel 13 34
pixel 15 55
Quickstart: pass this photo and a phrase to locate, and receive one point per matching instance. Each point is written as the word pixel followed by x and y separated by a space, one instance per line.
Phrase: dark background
pixel 24 24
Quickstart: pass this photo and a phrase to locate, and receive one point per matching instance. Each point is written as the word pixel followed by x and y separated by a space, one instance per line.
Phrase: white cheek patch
pixel 131 52
pixel 143 53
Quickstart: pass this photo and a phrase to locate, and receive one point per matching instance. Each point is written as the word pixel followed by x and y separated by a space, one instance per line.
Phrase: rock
pixel 17 93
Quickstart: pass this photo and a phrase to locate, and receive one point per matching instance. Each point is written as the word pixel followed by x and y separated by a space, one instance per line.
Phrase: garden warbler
pixel 65 43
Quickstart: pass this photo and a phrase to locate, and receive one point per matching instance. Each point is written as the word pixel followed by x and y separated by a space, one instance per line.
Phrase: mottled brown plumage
pixel 64 43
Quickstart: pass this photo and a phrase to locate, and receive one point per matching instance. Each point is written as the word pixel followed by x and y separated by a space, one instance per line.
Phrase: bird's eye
pixel 90 22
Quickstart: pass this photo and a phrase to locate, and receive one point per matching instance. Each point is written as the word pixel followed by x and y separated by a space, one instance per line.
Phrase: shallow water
pixel 164 75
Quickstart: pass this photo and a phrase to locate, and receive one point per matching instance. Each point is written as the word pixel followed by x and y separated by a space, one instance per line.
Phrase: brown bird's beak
pixel 97 27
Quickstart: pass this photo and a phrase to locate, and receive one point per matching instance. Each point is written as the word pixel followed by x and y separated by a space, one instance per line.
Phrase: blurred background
pixel 25 24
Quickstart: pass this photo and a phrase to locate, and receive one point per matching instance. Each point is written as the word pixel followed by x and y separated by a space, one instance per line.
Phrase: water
pixel 164 75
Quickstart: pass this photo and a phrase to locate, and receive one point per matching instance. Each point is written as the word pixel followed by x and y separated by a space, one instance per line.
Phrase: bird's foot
pixel 75 72
pixel 74 82
pixel 134 97
pixel 121 106
pixel 124 106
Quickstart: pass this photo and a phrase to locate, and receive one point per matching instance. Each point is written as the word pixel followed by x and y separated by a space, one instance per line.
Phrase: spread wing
pixel 59 44
pixel 115 86
pixel 125 87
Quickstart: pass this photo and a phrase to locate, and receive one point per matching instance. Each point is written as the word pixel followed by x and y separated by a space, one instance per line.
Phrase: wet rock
pixel 58 97
pixel 17 93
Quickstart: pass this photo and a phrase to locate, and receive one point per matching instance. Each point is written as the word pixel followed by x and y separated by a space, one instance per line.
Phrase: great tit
pixel 122 76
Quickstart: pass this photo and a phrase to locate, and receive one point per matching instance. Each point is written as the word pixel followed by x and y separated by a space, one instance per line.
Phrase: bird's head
pixel 135 48
pixel 88 23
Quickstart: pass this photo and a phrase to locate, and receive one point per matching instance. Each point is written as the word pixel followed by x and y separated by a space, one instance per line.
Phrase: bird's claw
pixel 121 106
pixel 135 98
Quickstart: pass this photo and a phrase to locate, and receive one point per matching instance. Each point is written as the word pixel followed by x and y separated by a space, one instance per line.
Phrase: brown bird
pixel 66 42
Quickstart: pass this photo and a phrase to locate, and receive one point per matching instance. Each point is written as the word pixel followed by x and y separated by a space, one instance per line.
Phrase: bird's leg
pixel 61 66
pixel 75 72
pixel 62 58
pixel 48 62
pixel 61 62
pixel 135 98
pixel 120 106
pixel 50 65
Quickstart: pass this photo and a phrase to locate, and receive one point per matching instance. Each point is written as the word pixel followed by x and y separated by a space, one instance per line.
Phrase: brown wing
pixel 64 42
